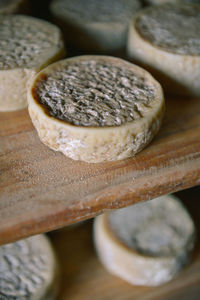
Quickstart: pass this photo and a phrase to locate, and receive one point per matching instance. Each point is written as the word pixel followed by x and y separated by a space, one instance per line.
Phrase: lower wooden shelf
pixel 83 276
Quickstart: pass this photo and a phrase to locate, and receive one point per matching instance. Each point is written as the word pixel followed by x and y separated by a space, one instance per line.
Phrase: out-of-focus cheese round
pixel 147 243
pixel 28 270
pixel 165 39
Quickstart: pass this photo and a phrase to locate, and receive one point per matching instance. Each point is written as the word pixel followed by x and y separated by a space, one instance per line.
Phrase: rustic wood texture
pixel 41 190
pixel 83 277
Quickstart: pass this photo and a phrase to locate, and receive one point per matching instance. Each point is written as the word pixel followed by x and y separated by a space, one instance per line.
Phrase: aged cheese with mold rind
pixel 161 27
pixel 26 45
pixel 95 108
pixel 147 243
pixel 28 270
pixel 165 39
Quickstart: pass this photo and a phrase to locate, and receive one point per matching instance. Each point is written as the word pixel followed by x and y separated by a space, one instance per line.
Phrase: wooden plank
pixel 83 276
pixel 41 190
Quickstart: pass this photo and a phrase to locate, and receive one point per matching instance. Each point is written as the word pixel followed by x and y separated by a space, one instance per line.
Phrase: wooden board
pixel 41 190
pixel 83 277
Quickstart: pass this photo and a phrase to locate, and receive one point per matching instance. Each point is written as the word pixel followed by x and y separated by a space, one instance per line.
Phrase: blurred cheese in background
pixel 147 243
pixel 93 25
pixel 165 40
pixel 28 270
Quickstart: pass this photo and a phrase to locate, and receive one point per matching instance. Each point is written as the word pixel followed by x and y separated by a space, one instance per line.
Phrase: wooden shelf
pixel 41 190
pixel 83 277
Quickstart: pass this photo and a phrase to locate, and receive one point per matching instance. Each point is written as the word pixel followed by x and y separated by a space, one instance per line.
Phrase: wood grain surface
pixel 41 190
pixel 83 277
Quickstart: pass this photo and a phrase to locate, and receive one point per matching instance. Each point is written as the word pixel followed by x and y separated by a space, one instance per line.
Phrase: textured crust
pixel 92 34
pixel 29 270
pixel 135 268
pixel 13 80
pixel 97 144
pixel 178 74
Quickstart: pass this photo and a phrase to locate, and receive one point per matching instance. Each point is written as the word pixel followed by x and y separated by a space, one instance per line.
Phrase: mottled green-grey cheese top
pixel 173 28
pixel 160 227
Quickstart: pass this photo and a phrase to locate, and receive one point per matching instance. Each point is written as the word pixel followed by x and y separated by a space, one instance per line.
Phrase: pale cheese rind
pixel 97 143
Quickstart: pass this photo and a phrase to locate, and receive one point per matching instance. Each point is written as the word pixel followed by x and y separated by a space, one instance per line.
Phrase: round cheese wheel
pixel 95 108
pixel 93 25
pixel 28 270
pixel 26 46
pixel 147 243
pixel 165 39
